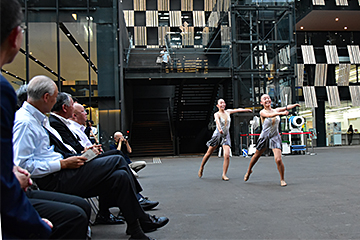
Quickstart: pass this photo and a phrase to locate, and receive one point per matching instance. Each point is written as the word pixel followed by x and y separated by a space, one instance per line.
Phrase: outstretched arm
pixel 270 114
pixel 230 111
pixel 287 107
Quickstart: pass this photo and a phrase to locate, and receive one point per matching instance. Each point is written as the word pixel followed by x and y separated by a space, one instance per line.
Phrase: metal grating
pixel 308 54
pixel 331 54
pixel 344 74
pixel 355 95
pixel 300 74
pixel 320 74
pixel 354 54
pixel 333 96
pixel 310 97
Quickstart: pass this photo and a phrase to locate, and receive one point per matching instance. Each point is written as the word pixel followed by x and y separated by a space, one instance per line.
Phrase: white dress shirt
pixel 32 150
pixel 79 130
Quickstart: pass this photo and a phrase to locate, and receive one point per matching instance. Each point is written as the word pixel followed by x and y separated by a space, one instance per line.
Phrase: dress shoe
pixel 136 232
pixel 110 219
pixel 153 223
pixel 138 165
pixel 146 204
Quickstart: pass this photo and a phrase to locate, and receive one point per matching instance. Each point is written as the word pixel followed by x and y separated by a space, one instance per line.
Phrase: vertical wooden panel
pixel 187 5
pixel 199 18
pixel 354 54
pixel 331 54
pixel 162 33
pixel 320 74
pixel 152 19
pixel 308 54
pixel 140 37
pixel 140 5
pixel 300 74
pixel 344 74
pixel 310 97
pixel 333 96
pixel 341 3
pixel 175 19
pixel 318 2
pixel 129 18
pixel 163 5
pixel 355 95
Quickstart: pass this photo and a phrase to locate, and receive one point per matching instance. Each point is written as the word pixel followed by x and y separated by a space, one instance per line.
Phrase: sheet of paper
pixel 89 154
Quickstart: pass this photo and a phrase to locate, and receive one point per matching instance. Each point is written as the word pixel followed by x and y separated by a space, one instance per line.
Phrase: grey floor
pixel 321 201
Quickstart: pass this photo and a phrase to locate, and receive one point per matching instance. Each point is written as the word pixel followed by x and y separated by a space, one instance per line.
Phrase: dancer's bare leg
pixel 280 165
pixel 205 159
pixel 253 161
pixel 226 149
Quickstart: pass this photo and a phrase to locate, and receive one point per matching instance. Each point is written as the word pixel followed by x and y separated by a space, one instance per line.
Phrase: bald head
pixel 80 114
pixel 117 136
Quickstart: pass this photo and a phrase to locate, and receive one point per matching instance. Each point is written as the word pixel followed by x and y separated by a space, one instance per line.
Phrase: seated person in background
pixel 122 144
pixel 68 214
pixel 91 132
pixel 104 176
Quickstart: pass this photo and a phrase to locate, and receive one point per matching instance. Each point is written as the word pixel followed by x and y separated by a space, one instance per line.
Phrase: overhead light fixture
pixel 345 27
pixel 74 15
pixel 301 27
pixel 336 19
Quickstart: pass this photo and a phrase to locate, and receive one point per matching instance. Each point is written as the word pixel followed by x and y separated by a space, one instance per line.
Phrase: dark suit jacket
pixel 65 133
pixel 59 146
pixel 18 217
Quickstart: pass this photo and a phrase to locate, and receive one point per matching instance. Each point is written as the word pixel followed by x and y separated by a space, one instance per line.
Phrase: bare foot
pixel 283 183
pixel 247 175
pixel 200 173
pixel 225 178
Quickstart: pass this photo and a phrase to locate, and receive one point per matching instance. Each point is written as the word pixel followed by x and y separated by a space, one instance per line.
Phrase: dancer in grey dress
pixel 221 136
pixel 270 137
pixel 218 138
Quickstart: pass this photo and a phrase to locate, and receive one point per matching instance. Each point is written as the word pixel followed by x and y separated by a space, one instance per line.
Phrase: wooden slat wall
pixel 175 19
pixel 129 18
pixel 331 54
pixel 308 54
pixel 355 95
pixel 152 19
pixel 333 96
pixel 354 54
pixel 320 74
pixel 140 38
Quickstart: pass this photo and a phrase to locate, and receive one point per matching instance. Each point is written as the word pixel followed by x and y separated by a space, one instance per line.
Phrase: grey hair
pixel 40 85
pixel 63 98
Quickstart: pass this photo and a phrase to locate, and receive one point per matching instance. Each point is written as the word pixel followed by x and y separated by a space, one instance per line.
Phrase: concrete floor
pixel 321 201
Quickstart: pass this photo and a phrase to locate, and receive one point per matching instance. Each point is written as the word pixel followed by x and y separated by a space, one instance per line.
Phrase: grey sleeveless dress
pixel 270 137
pixel 218 138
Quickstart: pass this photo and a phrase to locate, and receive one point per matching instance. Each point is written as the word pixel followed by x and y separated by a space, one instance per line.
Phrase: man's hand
pixel 72 162
pixel 23 176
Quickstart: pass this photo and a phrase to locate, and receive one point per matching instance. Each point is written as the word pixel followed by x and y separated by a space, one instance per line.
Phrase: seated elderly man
pixel 67 119
pixel 106 177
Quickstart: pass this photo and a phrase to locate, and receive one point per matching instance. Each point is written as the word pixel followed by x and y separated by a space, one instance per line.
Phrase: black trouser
pixel 69 214
pixel 108 177
pixel 350 137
